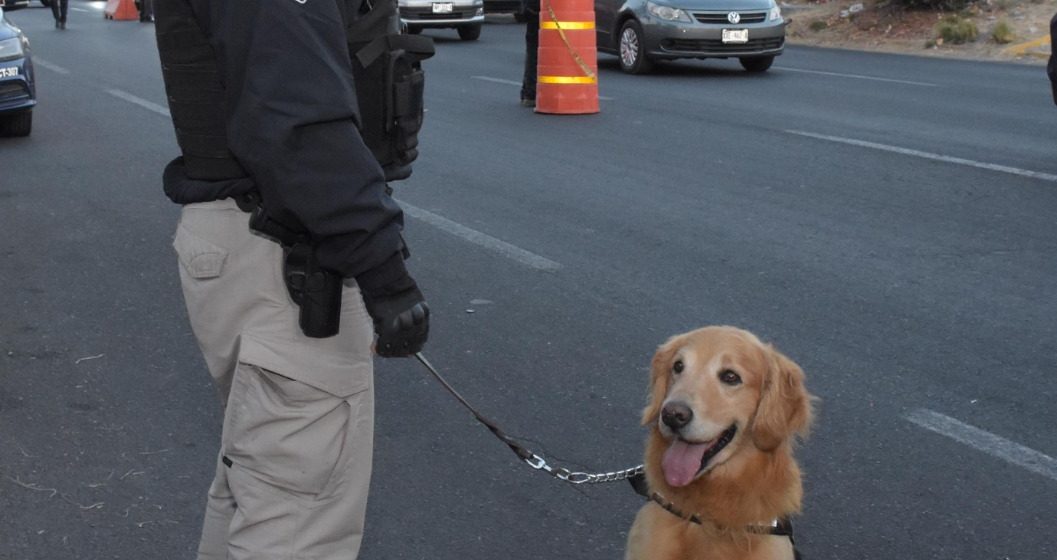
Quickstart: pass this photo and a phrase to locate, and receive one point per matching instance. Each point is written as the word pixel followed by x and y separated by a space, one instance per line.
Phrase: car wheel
pixel 18 124
pixel 470 32
pixel 633 59
pixel 47 3
pixel 413 30
pixel 521 16
pixel 757 63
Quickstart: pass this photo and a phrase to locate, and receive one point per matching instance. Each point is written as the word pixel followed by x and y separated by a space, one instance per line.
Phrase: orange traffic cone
pixel 121 10
pixel 567 72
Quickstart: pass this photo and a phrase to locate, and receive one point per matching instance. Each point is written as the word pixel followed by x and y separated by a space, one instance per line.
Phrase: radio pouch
pixel 387 68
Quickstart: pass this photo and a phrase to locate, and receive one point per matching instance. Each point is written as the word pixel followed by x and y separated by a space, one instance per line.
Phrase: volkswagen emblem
pixel 733 17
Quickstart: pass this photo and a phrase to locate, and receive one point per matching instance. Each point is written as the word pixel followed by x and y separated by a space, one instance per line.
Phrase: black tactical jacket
pixel 291 112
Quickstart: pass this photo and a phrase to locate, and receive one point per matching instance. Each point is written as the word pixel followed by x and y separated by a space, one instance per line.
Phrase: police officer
pixel 59 9
pixel 269 87
pixel 531 11
pixel 1051 64
pixel 146 10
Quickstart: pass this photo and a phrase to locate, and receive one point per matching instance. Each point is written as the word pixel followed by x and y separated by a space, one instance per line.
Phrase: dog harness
pixel 780 527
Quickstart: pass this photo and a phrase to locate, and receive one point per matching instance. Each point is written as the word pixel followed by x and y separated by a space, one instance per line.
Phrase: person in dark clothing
pixel 532 43
pixel 295 455
pixel 1051 65
pixel 58 11
pixel 146 10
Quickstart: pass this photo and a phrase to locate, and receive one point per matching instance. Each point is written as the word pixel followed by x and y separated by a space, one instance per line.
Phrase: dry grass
pixel 884 26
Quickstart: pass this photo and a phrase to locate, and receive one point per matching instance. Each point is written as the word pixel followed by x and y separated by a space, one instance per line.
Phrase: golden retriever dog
pixel 724 413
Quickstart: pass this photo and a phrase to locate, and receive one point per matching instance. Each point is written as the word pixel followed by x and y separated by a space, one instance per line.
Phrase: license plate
pixel 735 35
pixel 9 72
pixel 442 7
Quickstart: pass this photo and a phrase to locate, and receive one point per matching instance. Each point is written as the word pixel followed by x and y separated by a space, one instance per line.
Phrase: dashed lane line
pixel 493 244
pixel 517 83
pixel 497 80
pixel 148 105
pixel 37 61
pixel 1009 451
pixel 929 155
pixel 484 240
pixel 855 76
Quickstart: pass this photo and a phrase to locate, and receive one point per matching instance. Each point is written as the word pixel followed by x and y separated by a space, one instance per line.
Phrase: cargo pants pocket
pixel 289 436
pixel 199 258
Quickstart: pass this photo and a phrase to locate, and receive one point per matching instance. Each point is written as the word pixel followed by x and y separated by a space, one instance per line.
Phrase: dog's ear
pixel 785 405
pixel 659 368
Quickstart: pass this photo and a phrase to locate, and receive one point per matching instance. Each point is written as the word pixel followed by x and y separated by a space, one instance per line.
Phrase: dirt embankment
pixel 1011 30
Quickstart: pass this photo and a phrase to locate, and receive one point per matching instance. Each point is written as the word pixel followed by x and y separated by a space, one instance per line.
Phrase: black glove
pixel 401 323
pixel 399 312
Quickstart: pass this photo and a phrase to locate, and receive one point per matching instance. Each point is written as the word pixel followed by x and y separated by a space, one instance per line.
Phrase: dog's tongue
pixel 682 461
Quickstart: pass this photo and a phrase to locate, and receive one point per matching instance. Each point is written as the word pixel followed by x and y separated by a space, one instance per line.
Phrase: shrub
pixel 1002 33
pixel 945 5
pixel 818 25
pixel 956 30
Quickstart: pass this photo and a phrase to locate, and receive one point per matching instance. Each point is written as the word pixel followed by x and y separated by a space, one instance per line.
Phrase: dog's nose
pixel 675 415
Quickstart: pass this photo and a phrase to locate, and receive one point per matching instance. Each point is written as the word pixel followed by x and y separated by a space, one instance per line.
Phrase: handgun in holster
pixel 316 290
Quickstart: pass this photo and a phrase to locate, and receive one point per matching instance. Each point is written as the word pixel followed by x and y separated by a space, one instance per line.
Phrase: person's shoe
pixel 58 25
pixel 526 102
pixel 62 25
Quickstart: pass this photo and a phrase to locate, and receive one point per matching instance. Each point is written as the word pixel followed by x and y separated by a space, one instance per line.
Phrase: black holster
pixel 316 290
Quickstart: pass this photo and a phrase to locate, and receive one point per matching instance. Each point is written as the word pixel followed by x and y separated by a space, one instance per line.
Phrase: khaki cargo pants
pixel 295 457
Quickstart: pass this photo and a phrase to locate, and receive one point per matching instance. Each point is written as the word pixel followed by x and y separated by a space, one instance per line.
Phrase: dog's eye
pixel 730 377
pixel 677 367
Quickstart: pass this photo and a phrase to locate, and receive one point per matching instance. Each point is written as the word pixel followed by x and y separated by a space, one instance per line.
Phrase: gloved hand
pixel 399 312
pixel 401 322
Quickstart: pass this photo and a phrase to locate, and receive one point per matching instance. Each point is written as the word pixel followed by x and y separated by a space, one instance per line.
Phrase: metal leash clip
pixel 531 459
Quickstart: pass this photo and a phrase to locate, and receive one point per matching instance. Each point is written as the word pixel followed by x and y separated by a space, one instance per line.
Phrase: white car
pixel 466 16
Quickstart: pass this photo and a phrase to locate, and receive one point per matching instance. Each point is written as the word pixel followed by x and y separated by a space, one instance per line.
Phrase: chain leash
pixel 531 459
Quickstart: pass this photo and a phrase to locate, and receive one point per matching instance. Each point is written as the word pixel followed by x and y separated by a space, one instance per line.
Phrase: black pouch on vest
pixel 387 68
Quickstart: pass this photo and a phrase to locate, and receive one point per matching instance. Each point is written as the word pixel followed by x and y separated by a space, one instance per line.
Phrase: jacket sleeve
pixel 292 125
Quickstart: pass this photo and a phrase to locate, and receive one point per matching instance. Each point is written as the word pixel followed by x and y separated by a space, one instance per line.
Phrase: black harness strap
pixel 782 527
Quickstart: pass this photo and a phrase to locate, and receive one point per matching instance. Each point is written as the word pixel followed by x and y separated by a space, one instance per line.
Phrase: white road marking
pixel 855 76
pixel 148 105
pixel 497 80
pixel 929 155
pixel 37 61
pixel 81 10
pixel 505 249
pixel 484 240
pixel 518 84
pixel 987 442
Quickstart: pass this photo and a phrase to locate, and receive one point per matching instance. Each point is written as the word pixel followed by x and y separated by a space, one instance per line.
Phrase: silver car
pixel 466 16
pixel 643 31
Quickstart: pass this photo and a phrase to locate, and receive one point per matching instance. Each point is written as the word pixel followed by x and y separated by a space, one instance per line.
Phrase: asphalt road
pixel 887 221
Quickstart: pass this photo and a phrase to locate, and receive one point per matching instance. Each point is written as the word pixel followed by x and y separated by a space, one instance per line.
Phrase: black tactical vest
pixel 386 69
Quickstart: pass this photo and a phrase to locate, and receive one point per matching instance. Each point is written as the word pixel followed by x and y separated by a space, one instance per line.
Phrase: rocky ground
pixel 1011 30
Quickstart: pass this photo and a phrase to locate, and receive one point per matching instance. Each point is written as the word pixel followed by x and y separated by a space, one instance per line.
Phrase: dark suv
pixel 18 94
